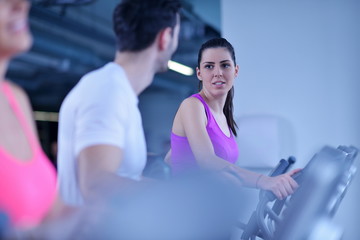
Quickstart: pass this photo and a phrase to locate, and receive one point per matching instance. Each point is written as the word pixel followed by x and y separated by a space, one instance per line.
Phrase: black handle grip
pixel 281 168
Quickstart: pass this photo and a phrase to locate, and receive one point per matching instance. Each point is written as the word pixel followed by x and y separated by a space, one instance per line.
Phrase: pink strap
pixel 19 114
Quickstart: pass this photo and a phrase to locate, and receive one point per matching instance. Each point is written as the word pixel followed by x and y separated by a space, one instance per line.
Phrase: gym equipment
pixel 307 213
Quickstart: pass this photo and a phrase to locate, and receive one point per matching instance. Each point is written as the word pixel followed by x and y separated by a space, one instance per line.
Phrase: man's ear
pixel 198 74
pixel 165 36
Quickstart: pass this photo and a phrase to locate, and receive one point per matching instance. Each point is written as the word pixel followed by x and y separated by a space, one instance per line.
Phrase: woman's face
pixel 217 71
pixel 14 31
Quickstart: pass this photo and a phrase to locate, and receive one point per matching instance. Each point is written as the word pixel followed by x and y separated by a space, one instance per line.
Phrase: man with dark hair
pixel 101 140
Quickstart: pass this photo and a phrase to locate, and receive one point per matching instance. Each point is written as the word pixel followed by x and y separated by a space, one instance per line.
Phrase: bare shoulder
pixel 191 104
pixel 192 110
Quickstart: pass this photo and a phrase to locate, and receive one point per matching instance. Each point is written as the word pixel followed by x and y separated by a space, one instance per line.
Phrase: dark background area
pixel 73 37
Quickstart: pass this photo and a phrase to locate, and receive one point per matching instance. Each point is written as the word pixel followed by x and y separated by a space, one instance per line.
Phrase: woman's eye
pixel 209 66
pixel 226 65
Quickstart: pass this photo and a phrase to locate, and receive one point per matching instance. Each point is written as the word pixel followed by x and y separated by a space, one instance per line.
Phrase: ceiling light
pixel 180 68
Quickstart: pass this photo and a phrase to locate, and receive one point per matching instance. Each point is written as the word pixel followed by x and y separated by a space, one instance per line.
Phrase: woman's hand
pixel 281 186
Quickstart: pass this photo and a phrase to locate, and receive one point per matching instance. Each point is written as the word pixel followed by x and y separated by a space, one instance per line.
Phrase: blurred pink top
pixel 27 188
pixel 182 157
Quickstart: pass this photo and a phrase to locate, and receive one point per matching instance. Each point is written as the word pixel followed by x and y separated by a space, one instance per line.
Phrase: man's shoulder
pixel 100 85
pixel 105 76
pixel 98 72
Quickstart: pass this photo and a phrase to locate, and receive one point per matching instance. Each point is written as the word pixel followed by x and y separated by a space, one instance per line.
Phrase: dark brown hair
pixel 137 22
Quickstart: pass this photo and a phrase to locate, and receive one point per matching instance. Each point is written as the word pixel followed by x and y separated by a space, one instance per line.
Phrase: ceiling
pixel 73 37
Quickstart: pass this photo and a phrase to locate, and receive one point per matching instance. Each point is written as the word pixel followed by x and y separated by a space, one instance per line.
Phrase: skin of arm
pixel 191 122
pixel 167 157
pixel 97 166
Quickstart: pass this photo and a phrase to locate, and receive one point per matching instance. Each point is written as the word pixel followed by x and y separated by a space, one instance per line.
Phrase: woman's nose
pixel 217 72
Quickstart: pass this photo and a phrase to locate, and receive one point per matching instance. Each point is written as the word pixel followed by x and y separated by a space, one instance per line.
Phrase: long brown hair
pixel 228 107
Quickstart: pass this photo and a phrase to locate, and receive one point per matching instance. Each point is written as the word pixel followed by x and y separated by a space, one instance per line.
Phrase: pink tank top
pixel 27 188
pixel 225 147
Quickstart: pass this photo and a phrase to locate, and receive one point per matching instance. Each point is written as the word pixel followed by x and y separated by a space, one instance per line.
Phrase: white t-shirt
pixel 101 109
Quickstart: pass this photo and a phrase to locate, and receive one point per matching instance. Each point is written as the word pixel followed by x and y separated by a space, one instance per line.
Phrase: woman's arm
pixel 281 186
pixel 191 122
pixel 167 158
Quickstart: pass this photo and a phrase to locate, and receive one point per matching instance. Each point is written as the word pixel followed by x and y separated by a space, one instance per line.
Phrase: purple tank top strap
pixel 206 106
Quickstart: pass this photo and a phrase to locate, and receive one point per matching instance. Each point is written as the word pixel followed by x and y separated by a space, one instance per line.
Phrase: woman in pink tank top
pixel 204 130
pixel 28 179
